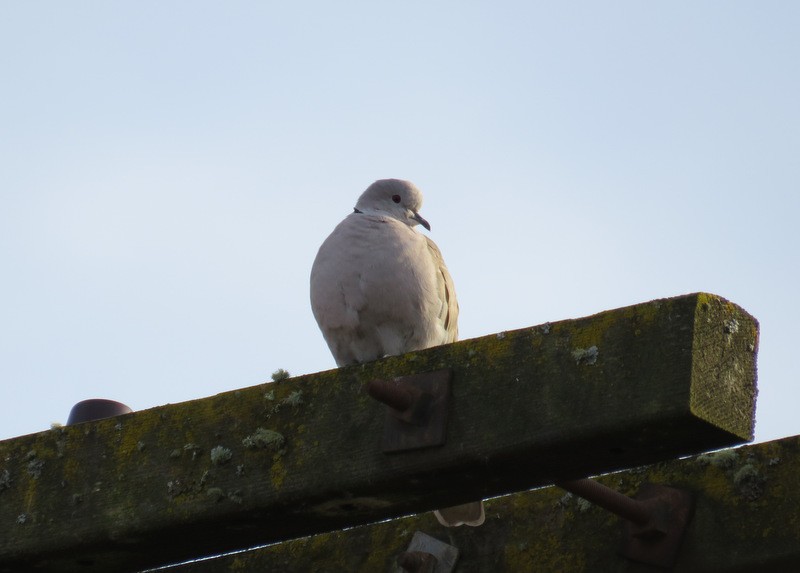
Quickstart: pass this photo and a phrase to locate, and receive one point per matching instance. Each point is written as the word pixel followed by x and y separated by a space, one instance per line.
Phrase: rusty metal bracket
pixel 417 413
pixel 658 541
pixel 655 521
pixel 427 554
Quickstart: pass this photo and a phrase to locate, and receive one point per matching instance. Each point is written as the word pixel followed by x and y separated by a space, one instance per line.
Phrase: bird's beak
pixel 421 220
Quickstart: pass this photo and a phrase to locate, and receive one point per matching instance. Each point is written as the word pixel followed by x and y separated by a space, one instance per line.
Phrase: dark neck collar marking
pixel 357 211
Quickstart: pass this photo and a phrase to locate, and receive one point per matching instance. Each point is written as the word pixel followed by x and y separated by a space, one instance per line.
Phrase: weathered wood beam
pixel 747 507
pixel 618 389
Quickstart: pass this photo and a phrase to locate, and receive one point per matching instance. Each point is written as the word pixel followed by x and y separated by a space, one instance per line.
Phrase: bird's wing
pixel 448 313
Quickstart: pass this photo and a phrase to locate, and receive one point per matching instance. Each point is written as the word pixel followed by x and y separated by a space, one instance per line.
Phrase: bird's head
pixel 394 198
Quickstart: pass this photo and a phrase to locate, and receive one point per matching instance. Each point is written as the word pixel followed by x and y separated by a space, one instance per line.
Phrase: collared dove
pixel 379 288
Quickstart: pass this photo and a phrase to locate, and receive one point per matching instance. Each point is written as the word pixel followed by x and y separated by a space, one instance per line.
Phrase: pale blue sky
pixel 168 170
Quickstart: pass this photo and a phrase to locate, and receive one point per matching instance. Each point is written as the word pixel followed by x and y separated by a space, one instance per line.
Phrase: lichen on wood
pixel 653 381
pixel 545 530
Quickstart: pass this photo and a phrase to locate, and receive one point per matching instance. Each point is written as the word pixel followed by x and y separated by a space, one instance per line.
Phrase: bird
pixel 381 288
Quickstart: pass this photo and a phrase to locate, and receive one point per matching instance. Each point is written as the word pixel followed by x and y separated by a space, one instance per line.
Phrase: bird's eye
pixel 396 198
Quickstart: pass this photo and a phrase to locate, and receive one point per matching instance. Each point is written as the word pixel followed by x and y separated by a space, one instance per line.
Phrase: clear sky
pixel 168 170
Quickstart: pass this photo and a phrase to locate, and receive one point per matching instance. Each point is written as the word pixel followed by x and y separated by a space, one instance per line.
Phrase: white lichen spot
pixel 174 488
pixel 270 395
pixel 194 448
pixel 731 326
pixel 501 335
pixel 749 482
pixel 220 455
pixel 22 518
pixel 294 399
pixel 545 328
pixel 264 439
pixel 585 355
pixel 5 480
pixel 35 465
pixel 583 505
pixel 280 374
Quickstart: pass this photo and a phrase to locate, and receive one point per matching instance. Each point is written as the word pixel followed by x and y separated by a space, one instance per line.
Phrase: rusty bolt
pixel 628 508
pixel 399 397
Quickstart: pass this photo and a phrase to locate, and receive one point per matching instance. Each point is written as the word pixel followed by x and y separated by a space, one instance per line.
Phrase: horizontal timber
pixel 272 462
pixel 746 518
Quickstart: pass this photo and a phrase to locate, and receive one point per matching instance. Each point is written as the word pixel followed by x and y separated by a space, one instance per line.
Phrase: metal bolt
pixel 399 397
pixel 651 516
pixel 607 498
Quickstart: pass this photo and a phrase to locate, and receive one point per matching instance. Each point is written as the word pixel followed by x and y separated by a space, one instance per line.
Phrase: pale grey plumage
pixel 380 288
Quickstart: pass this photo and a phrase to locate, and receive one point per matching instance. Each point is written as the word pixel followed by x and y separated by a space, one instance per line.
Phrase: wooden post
pixel 618 389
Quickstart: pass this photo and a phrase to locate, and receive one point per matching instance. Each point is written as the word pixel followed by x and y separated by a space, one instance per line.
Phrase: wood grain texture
pixel 747 508
pixel 268 463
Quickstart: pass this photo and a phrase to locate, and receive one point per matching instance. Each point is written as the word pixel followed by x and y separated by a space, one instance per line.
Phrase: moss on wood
pixel 617 389
pixel 747 518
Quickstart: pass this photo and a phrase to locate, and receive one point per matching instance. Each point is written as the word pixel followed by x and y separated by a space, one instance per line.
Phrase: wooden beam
pixel 618 389
pixel 746 511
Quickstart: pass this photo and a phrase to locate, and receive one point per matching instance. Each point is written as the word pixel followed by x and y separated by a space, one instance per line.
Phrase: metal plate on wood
pixel 423 421
pixel 445 555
